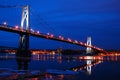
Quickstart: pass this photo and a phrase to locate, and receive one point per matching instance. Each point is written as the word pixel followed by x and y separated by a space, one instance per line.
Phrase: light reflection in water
pixel 90 62
pixel 48 57
pixel 89 66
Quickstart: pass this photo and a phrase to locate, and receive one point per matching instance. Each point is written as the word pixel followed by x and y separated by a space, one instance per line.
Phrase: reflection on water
pixel 89 66
pixel 23 63
pixel 23 58
pixel 65 67
pixel 47 57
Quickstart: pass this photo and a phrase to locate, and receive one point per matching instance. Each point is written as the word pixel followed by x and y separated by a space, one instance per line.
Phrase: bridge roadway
pixel 17 30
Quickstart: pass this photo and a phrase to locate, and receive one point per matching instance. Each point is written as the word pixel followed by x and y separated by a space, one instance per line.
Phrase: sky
pixel 76 19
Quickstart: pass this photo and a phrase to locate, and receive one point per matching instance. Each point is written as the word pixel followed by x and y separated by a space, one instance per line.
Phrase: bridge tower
pixel 88 49
pixel 24 38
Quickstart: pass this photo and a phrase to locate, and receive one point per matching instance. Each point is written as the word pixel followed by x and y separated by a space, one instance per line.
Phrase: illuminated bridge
pixel 17 30
pixel 25 32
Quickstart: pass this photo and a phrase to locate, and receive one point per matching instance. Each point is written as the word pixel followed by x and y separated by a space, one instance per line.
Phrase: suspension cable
pixel 44 23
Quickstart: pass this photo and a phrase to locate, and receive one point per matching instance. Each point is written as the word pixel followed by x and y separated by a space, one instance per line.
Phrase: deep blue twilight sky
pixel 76 19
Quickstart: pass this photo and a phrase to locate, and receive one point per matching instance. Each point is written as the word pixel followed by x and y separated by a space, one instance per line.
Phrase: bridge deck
pixel 46 36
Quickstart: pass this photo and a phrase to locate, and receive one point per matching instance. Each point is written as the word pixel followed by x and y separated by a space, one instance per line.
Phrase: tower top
pixel 25 17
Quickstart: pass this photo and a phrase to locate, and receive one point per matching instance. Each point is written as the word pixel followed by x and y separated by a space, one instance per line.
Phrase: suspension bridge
pixel 24 31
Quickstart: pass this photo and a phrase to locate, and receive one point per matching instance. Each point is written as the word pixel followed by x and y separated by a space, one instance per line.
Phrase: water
pixel 68 67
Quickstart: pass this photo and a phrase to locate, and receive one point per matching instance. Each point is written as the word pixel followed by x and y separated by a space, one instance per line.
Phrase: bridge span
pixel 18 30
pixel 24 31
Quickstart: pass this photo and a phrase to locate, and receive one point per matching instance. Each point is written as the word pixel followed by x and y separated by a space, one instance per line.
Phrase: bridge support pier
pixel 23 54
pixel 24 42
pixel 24 38
pixel 88 49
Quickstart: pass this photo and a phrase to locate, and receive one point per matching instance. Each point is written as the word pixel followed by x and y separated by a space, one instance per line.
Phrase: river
pixel 67 67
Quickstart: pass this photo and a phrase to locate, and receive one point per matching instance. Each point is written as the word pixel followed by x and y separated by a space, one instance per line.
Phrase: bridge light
pixel 38 32
pixel 32 30
pixel 62 38
pixel 47 36
pixel 51 35
pixel 69 40
pixel 16 27
pixel 98 48
pixel 75 41
pixel 5 23
pixel 81 43
pixel 48 33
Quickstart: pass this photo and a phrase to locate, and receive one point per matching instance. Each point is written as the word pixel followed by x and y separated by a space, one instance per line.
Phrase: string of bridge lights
pixel 48 35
